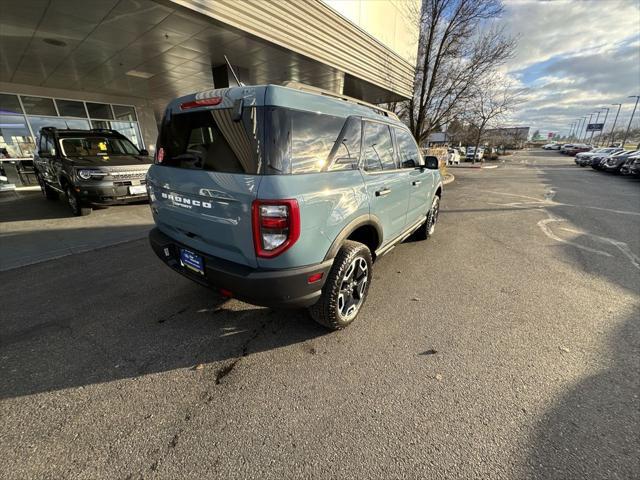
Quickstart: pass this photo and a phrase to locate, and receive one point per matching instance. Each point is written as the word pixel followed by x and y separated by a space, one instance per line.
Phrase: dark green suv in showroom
pixel 90 168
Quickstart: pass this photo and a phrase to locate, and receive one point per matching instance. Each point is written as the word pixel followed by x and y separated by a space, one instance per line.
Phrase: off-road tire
pixel 47 192
pixel 73 201
pixel 427 229
pixel 325 311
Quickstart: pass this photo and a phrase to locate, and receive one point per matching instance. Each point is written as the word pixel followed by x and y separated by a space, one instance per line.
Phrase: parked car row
pixel 611 159
pixel 573 149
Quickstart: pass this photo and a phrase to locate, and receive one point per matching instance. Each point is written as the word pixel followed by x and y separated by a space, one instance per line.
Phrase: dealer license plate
pixel 192 261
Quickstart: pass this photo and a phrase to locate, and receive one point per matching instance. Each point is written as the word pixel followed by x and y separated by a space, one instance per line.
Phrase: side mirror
pixel 431 162
pixel 236 112
pixel 144 153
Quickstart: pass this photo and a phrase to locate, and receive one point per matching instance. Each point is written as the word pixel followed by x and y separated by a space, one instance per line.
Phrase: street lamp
pixel 577 134
pixel 614 124
pixel 604 124
pixel 587 126
pixel 581 122
pixel 637 97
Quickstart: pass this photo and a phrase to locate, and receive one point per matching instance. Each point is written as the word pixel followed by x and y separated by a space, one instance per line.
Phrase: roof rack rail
pixel 321 91
pixel 110 130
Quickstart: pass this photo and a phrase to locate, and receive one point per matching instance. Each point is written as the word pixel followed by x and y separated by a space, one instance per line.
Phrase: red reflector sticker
pixel 314 277
pixel 226 293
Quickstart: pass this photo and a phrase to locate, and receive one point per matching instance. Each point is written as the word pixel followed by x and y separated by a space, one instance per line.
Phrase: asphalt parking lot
pixel 504 347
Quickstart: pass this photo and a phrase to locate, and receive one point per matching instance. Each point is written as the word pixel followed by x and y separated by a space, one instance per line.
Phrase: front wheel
pixel 74 203
pixel 346 288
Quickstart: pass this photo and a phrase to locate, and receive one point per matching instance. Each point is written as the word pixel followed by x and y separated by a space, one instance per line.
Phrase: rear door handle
pixel 383 192
pixel 415 183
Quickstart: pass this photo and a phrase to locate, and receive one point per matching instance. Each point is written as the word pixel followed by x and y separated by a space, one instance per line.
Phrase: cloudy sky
pixel 574 57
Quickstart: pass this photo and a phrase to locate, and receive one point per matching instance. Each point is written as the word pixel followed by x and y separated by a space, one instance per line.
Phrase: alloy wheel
pixel 352 288
pixel 433 217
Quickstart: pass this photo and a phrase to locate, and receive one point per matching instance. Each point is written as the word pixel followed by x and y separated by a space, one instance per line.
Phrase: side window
pixel 46 144
pixel 408 152
pixel 378 147
pixel 301 142
pixel 346 151
pixel 313 137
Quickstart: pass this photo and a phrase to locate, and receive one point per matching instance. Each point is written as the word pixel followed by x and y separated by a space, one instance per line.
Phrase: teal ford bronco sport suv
pixel 284 197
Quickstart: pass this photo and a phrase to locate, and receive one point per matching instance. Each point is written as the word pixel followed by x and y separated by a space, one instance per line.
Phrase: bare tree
pixel 457 49
pixel 491 102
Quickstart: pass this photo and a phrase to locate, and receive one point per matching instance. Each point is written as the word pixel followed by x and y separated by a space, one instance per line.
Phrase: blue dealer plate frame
pixel 192 261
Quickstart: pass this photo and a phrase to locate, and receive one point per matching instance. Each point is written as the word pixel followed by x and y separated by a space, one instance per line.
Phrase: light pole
pixel 587 126
pixel 637 97
pixel 593 131
pixel 614 124
pixel 580 121
pixel 604 124
pixel 578 126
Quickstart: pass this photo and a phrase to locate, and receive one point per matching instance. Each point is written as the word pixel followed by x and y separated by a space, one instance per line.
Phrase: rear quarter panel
pixel 328 202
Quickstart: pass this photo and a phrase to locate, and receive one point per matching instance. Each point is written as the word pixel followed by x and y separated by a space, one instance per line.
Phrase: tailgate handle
pixel 415 183
pixel 383 192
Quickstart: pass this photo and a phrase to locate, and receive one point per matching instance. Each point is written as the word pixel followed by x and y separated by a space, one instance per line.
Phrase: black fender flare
pixel 352 226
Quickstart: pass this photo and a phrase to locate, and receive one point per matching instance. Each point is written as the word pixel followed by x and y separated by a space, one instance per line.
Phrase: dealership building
pixel 117 63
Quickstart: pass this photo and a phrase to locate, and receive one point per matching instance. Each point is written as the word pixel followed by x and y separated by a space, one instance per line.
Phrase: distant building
pixel 509 137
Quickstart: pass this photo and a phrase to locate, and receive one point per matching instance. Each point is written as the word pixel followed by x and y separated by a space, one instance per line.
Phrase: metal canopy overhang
pixel 160 50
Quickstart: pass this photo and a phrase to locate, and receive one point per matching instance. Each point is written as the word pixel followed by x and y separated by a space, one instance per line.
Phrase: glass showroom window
pixel 60 113
pixel 39 106
pixel 99 110
pixel 71 108
pixel 15 137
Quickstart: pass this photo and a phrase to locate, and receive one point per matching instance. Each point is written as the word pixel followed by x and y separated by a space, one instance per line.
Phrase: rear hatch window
pixel 210 140
pixel 267 140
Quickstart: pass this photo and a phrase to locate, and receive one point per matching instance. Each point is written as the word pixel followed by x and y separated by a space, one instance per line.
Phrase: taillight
pixel 159 155
pixel 203 102
pixel 276 226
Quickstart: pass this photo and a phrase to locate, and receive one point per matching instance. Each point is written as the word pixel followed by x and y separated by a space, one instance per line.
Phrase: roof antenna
pixel 233 71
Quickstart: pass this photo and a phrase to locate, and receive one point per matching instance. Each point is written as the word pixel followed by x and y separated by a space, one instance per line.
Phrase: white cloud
pixel 549 29
pixel 574 57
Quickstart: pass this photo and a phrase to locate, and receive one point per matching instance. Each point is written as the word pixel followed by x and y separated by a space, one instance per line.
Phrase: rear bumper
pixel 285 288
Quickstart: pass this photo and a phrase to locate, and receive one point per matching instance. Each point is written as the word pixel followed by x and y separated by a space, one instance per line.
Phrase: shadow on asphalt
pixel 592 430
pixel 32 206
pixel 120 313
pixel 24 206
